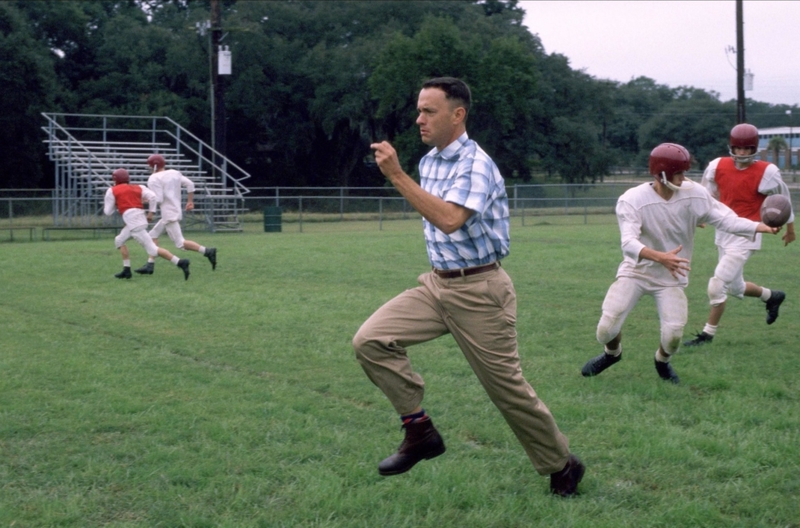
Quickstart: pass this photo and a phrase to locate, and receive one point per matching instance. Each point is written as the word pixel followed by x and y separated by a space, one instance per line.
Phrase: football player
pixel 167 185
pixel 741 182
pixel 657 221
pixel 129 201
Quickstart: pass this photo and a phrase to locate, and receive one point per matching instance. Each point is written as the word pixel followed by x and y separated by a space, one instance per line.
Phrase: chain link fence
pixel 28 214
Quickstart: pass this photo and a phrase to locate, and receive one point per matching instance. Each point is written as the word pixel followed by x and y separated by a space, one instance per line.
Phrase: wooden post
pixel 740 100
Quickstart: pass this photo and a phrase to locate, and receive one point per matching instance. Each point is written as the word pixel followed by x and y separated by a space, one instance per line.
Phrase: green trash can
pixel 272 219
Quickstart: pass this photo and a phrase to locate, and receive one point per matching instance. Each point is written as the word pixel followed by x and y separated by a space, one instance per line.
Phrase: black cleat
pixel 598 364
pixel 699 339
pixel 184 265
pixel 147 269
pixel 211 255
pixel 666 372
pixel 125 273
pixel 773 303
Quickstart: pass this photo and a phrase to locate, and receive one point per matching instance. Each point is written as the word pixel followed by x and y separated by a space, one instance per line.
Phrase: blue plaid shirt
pixel 464 174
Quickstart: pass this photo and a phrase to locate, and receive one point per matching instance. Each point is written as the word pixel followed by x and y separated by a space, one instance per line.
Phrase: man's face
pixel 677 179
pixel 741 156
pixel 743 151
pixel 437 118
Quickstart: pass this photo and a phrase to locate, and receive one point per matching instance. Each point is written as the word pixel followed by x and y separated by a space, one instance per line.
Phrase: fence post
pixel 341 204
pixel 380 213
pixel 300 216
pixel 515 197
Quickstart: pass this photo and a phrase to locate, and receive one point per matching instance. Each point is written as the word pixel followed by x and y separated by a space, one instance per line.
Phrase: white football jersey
pixel 648 220
pixel 167 185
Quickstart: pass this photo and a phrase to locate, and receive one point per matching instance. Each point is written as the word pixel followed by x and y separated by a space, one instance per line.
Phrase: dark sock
pixel 414 418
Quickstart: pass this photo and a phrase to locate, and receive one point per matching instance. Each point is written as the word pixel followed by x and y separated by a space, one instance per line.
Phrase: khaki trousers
pixel 480 313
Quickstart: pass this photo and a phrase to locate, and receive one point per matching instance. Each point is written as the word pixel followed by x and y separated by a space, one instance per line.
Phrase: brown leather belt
pixel 465 272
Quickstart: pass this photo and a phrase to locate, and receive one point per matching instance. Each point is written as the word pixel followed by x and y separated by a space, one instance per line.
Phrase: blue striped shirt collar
pixel 451 150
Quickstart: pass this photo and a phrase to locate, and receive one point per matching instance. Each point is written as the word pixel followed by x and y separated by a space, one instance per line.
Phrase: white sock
pixel 710 329
pixel 174 260
pixel 663 358
pixel 202 250
pixel 615 352
pixel 126 263
pixel 151 260
pixel 766 293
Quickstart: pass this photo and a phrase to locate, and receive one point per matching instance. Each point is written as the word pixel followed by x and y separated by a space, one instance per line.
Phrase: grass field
pixel 234 399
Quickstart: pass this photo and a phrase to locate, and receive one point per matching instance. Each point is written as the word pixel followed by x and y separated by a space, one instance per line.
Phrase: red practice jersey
pixel 127 197
pixel 738 189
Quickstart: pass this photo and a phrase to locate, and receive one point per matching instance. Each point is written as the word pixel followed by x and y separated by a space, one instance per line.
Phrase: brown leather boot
pixel 565 482
pixel 422 441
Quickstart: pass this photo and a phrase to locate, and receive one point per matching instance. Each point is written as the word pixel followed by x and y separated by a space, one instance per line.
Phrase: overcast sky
pixel 676 43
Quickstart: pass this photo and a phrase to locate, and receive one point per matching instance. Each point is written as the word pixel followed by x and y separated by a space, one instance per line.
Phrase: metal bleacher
pixel 87 148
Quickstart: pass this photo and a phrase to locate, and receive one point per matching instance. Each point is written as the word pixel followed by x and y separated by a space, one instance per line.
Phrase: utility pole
pixel 740 100
pixel 218 128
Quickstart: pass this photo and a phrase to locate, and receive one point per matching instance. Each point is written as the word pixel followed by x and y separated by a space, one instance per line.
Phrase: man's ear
pixel 460 114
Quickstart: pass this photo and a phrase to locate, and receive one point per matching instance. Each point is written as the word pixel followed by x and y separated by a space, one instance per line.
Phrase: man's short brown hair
pixel 454 89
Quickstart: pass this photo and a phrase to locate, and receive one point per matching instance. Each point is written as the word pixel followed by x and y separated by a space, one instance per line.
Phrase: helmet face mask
pixel 743 135
pixel 156 162
pixel 120 176
pixel 685 184
pixel 667 160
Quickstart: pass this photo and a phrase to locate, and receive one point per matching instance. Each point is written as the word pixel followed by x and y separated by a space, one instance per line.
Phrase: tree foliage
pixel 776 145
pixel 699 123
pixel 29 83
pixel 315 82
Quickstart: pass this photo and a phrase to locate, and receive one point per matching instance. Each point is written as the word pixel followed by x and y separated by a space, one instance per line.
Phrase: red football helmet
pixel 120 176
pixel 156 161
pixel 744 136
pixel 668 159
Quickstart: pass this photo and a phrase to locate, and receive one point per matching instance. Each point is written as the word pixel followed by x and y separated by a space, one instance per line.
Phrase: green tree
pixel 29 86
pixel 147 68
pixel 633 103
pixel 506 80
pixel 300 104
pixel 699 122
pixel 315 82
pixel 775 146
pixel 437 49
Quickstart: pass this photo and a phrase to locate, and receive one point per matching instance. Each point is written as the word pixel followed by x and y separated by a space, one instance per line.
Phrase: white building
pixel 789 134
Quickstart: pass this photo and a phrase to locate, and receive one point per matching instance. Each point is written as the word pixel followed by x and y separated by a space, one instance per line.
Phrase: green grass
pixel 234 399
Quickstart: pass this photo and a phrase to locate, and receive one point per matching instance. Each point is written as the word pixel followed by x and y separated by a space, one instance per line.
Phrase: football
pixel 775 210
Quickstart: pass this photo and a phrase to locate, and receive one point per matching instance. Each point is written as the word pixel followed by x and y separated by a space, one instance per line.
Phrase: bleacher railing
pixel 69 133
